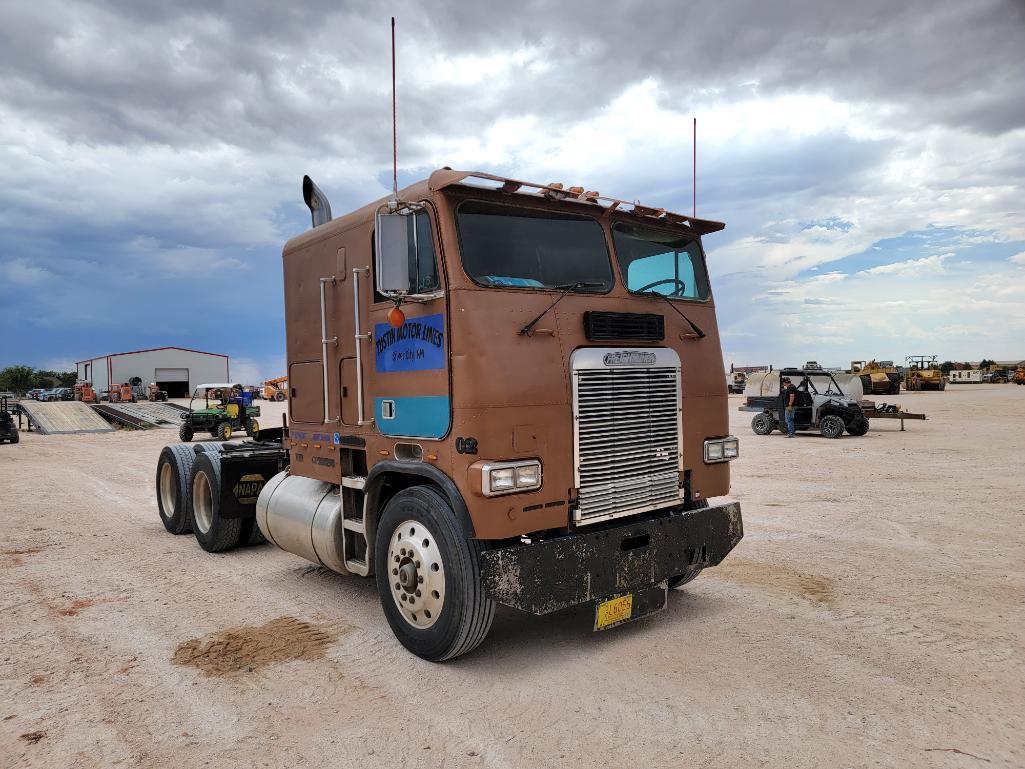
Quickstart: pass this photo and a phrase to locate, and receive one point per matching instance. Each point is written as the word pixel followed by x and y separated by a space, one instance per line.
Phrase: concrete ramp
pixel 63 417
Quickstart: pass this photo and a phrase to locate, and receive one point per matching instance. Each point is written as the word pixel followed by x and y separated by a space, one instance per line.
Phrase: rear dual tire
pixel 213 532
pixel 174 469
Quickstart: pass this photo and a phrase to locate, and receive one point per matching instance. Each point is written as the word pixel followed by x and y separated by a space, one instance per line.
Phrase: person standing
pixel 789 396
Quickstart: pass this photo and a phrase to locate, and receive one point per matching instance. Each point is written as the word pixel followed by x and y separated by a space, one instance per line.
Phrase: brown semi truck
pixel 500 393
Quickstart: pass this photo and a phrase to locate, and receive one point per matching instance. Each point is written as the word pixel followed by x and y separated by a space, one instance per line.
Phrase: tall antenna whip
pixel 695 166
pixel 394 129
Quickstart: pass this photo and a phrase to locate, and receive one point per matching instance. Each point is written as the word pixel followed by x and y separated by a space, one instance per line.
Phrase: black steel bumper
pixel 545 576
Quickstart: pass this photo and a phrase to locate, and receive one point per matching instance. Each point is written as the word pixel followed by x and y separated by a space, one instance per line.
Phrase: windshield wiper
pixel 693 325
pixel 565 289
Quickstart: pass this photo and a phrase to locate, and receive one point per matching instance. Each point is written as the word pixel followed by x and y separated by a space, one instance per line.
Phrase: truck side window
pixel 423 264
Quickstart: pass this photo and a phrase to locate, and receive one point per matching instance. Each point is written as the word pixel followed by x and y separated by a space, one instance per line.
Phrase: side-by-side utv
pixel 226 408
pixel 8 429
pixel 821 405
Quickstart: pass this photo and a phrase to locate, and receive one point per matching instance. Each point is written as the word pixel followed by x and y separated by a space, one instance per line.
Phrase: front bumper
pixel 549 575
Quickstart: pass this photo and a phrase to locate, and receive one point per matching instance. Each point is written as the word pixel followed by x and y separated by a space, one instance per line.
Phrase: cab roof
pixel 447 177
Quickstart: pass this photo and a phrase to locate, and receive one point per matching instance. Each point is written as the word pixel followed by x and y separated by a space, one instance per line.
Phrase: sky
pixel 868 158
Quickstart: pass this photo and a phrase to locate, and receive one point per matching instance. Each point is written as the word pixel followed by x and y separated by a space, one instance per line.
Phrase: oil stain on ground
pixel 777 577
pixel 250 648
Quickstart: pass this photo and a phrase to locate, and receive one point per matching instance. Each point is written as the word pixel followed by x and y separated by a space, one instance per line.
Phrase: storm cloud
pixel 143 143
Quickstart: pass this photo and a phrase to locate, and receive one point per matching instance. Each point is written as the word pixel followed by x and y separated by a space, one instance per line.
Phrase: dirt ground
pixel 874 615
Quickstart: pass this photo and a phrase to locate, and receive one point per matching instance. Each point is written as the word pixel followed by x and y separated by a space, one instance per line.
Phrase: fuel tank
pixel 303 516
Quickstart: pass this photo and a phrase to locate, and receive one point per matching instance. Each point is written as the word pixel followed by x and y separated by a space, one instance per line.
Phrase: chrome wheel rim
pixel 416 574
pixel 168 495
pixel 202 502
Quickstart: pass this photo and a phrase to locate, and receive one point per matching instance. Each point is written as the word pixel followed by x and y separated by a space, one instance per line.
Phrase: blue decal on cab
pixel 422 416
pixel 416 345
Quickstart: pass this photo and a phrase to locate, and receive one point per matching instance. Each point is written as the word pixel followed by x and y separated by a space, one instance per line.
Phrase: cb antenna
pixel 694 179
pixel 394 122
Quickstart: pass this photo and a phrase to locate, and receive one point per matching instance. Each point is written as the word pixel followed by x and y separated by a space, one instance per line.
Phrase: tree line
pixel 21 379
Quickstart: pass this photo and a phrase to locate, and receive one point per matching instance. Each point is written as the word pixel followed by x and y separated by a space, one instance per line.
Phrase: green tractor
pixel 227 408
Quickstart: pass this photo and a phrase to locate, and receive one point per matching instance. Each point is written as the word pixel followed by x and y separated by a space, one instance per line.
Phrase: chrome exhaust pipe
pixel 317 202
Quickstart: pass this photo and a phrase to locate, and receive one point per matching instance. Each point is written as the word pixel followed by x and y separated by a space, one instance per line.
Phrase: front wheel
pixel 279 397
pixel 831 426
pixel 762 424
pixel 185 432
pixel 223 431
pixel 252 428
pixel 428 577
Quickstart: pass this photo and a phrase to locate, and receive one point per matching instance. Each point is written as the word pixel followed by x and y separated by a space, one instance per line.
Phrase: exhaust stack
pixel 317 202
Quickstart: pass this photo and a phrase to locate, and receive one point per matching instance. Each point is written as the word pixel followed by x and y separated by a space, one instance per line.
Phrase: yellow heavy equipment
pixel 877 377
pixel 923 373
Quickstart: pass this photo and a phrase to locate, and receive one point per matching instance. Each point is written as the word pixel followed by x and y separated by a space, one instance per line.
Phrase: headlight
pixel 721 449
pixel 510 477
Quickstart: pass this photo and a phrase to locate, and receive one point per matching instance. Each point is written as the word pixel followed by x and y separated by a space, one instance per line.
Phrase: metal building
pixel 175 369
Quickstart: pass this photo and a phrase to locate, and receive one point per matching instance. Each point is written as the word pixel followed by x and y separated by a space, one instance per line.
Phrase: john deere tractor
pixel 226 408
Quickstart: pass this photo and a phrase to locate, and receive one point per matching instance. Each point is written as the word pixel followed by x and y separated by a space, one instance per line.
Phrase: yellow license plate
pixel 614 611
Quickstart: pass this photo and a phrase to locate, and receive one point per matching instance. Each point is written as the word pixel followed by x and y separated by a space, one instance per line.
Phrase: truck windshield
pixel 658 261
pixel 511 247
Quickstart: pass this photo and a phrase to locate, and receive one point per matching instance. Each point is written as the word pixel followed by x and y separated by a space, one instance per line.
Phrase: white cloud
pixel 1018 258
pixel 934 264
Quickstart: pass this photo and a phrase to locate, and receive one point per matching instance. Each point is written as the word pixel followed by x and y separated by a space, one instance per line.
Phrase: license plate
pixel 614 611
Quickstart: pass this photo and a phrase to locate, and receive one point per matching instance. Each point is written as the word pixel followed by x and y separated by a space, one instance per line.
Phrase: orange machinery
pixel 276 389
pixel 84 392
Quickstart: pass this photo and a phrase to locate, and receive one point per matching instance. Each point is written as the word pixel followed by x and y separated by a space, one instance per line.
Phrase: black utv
pixel 8 430
pixel 821 405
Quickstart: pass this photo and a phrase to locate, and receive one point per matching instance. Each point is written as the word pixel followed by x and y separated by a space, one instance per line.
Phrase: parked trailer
pixel 964 376
pixel 489 426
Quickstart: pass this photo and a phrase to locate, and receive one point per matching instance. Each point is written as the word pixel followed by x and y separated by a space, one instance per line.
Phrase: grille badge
pixel 630 358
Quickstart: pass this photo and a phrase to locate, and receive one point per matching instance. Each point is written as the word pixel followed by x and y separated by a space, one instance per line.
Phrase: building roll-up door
pixel 174 380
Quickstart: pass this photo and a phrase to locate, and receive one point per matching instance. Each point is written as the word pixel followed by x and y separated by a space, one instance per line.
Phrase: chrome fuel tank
pixel 303 516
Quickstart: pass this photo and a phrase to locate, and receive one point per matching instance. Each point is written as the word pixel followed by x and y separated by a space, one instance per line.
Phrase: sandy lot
pixel 874 615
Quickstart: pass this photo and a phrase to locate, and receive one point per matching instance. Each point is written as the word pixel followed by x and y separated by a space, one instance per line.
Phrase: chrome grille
pixel 627 439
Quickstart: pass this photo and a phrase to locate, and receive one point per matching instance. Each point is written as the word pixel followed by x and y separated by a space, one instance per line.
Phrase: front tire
pixel 214 533
pixel 831 426
pixel 762 424
pixel 223 431
pixel 185 433
pixel 428 577
pixel 253 428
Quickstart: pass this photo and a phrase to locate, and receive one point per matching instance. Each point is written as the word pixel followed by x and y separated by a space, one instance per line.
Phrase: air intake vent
pixel 605 326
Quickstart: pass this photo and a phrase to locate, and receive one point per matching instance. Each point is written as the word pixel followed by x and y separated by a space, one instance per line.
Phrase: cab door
pixel 406 368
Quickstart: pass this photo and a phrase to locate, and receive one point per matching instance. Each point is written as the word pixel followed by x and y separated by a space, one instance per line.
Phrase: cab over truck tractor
pixel 499 393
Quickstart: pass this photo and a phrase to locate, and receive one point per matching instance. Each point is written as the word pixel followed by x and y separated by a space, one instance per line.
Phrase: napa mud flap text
pixel 596 564
pixel 243 475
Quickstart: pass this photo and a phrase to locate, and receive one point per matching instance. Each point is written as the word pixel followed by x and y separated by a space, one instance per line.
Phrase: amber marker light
pixel 396 317
pixel 383 452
